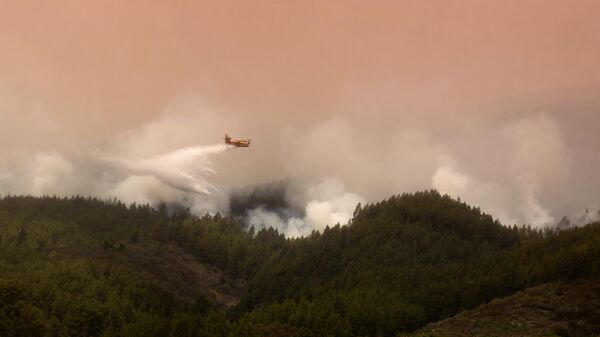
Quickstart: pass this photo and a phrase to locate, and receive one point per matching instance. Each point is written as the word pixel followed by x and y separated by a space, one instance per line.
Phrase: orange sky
pixel 118 63
pixel 379 94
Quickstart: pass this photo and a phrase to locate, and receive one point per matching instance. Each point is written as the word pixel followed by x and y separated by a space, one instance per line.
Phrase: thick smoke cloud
pixel 324 204
pixel 529 166
pixel 531 155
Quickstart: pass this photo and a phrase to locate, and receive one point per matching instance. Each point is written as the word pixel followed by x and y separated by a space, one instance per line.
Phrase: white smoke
pixel 518 169
pixel 42 174
pixel 531 149
pixel 291 227
pixel 325 204
pixel 47 172
pixel 490 197
pixel 330 204
pixel 180 176
pixel 590 215
pixel 142 190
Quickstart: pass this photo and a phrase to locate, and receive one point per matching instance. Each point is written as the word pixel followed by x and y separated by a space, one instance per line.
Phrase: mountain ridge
pixel 85 267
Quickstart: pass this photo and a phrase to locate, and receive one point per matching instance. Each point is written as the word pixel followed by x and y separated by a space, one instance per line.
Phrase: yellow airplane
pixel 237 142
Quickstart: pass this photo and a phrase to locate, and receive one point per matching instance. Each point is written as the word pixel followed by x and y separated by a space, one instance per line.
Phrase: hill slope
pixel 407 261
pixel 562 309
pixel 84 267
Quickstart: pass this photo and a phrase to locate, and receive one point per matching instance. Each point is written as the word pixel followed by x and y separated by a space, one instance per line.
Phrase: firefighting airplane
pixel 237 142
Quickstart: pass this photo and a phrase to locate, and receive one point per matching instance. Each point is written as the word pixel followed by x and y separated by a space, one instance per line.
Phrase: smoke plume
pixel 326 203
pixel 531 166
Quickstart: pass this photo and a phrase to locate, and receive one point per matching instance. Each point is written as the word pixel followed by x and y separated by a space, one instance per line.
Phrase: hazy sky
pixel 124 60
pixel 465 96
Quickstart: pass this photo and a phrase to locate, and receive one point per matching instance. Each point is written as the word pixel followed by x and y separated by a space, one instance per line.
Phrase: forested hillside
pixel 564 308
pixel 85 267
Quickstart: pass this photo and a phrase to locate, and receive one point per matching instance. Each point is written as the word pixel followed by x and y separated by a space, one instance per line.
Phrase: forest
pixel 80 266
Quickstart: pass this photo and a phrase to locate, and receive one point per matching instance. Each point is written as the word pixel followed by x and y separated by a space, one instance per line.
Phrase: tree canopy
pixel 86 267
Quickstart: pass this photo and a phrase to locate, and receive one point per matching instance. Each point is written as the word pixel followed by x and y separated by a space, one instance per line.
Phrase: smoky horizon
pixel 495 103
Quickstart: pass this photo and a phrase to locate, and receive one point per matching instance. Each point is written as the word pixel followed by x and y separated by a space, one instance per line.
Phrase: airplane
pixel 237 142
